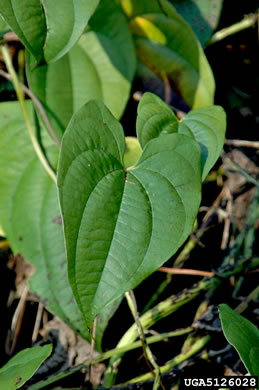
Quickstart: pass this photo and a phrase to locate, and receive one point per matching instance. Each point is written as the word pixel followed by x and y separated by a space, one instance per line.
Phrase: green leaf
pixel 132 152
pixel 48 29
pixel 66 21
pixel 22 366
pixel 110 32
pixel 101 66
pixel 29 25
pixel 30 217
pixel 3 27
pixel 111 27
pixel 122 224
pixel 154 117
pixel 202 15
pixel 166 44
pixel 206 125
pixel 243 335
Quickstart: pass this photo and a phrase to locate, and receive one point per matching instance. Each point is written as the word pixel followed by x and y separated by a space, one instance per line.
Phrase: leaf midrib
pixel 116 226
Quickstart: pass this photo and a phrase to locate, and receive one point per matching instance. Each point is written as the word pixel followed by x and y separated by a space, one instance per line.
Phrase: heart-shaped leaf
pixel 30 217
pixel 166 44
pixel 48 29
pixel 202 15
pixel 22 366
pixel 101 66
pixel 243 335
pixel 122 224
pixel 207 125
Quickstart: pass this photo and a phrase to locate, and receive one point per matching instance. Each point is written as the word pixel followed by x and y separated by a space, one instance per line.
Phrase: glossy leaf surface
pixel 30 217
pixel 206 125
pixel 48 29
pixel 22 366
pixel 243 335
pixel 167 45
pixel 121 225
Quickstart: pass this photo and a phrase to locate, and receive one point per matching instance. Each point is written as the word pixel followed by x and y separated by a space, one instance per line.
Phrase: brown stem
pixel 180 271
pixel 241 142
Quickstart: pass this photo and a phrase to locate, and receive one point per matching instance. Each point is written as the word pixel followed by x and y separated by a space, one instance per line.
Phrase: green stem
pixel 138 344
pixel 197 347
pixel 172 304
pixel 251 297
pixel 107 355
pixel 161 288
pixel 55 378
pixel 154 368
pixel 247 22
pixel 167 307
pixel 38 105
pixel 20 97
pixel 152 316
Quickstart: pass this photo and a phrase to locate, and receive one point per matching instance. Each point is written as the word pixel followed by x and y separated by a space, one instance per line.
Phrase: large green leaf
pixel 48 29
pixel 30 217
pixel 22 366
pixel 243 335
pixel 122 224
pixel 101 66
pixel 202 15
pixel 207 125
pixel 167 45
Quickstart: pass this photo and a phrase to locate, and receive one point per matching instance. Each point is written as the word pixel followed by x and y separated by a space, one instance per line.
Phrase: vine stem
pixel 154 368
pixel 20 97
pixel 242 143
pixel 92 349
pixel 38 104
pixel 106 355
pixel 185 271
pixel 195 348
pixel 247 22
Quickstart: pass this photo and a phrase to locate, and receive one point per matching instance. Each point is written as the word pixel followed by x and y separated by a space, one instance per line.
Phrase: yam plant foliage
pixel 22 366
pixel 120 208
pixel 243 335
